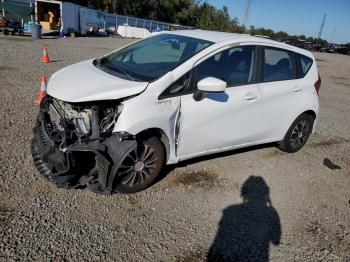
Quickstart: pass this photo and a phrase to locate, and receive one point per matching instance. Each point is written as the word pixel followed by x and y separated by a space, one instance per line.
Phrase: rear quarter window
pixel 305 64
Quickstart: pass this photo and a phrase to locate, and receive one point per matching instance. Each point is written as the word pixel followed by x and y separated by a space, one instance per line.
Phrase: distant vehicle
pixel 263 36
pixel 112 123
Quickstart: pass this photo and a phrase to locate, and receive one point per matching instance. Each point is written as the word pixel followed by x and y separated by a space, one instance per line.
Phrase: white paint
pixel 84 82
pixel 211 84
pixel 241 116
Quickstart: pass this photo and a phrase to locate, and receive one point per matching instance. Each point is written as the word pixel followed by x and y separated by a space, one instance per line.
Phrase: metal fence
pixel 23 9
pixel 151 25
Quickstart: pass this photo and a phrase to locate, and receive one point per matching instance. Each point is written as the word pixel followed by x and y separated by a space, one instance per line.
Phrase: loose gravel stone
pixel 197 208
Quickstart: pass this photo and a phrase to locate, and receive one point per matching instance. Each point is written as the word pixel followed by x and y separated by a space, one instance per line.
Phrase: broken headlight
pixel 111 116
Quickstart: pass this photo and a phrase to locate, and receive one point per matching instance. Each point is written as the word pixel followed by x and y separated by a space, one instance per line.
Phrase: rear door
pixel 280 91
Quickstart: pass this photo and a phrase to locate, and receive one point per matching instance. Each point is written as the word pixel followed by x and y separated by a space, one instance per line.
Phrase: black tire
pixel 6 31
pixel 297 134
pixel 141 167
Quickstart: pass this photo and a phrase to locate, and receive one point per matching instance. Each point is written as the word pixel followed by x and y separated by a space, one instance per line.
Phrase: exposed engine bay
pixel 71 143
pixel 81 119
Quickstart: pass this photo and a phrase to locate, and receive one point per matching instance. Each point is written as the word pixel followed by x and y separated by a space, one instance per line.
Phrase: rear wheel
pixel 297 134
pixel 140 167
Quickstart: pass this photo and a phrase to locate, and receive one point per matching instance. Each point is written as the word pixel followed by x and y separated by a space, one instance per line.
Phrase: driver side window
pixel 234 66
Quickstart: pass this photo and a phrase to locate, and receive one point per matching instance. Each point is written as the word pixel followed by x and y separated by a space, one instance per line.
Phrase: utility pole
pixel 322 25
pixel 245 19
pixel 3 8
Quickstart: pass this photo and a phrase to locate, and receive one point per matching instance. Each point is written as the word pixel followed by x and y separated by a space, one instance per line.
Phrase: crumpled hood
pixel 84 82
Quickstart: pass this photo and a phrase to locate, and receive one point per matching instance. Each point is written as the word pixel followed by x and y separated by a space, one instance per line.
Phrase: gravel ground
pixel 297 209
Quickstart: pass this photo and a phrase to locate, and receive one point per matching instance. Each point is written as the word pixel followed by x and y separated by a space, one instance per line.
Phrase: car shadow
pixel 170 168
pixel 246 230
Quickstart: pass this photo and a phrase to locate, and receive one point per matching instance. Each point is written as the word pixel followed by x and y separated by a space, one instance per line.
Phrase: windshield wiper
pixel 102 62
pixel 121 70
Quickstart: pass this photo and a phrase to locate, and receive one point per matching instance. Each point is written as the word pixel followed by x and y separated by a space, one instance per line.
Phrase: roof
pixel 212 36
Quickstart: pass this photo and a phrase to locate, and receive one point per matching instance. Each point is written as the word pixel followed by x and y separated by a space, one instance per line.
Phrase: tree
pixel 195 13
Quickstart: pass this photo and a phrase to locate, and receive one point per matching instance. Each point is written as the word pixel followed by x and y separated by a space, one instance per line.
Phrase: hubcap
pixel 300 134
pixel 138 166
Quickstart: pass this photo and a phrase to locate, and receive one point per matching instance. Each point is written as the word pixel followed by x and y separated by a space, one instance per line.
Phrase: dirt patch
pixel 17 39
pixel 327 142
pixel 319 60
pixel 192 257
pixel 201 178
pixel 326 239
pixel 133 200
pixel 272 153
pixel 340 78
pixel 342 83
pixel 5 214
pixel 7 68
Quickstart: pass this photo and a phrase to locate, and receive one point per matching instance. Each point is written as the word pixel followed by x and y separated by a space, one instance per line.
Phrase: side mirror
pixel 209 85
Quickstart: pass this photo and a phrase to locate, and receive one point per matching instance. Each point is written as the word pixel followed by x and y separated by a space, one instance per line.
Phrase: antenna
pixel 322 25
pixel 246 13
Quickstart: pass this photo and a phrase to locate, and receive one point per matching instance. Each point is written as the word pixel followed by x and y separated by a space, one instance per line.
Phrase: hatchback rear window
pixel 306 63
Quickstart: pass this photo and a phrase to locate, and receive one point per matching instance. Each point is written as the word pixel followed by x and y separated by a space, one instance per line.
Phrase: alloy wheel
pixel 138 166
pixel 300 134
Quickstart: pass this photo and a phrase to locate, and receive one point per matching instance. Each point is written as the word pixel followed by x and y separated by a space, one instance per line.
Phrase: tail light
pixel 318 84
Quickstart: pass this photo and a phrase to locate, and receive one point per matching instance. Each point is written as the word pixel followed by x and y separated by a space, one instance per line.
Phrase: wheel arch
pixel 310 113
pixel 160 134
pixel 287 125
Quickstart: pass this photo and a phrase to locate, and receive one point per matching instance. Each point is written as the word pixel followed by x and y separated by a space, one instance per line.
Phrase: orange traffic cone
pixel 45 57
pixel 42 91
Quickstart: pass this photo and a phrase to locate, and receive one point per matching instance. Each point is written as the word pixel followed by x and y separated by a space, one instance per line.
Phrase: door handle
pixel 297 89
pixel 250 96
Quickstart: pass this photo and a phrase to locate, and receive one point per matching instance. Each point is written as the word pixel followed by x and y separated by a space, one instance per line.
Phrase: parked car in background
pixel 114 122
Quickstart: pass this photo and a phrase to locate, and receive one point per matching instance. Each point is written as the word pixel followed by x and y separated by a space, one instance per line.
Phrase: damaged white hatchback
pixel 112 123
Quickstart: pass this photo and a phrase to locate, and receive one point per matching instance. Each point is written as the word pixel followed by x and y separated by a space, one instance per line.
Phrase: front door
pixel 221 120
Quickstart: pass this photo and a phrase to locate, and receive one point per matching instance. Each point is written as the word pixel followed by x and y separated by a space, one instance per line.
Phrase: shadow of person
pixel 246 230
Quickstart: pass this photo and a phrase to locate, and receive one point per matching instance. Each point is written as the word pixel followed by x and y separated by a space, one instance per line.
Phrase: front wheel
pixel 297 134
pixel 140 167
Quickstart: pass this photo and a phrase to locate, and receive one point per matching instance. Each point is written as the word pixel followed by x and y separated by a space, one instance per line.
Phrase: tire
pixel 6 31
pixel 141 167
pixel 297 134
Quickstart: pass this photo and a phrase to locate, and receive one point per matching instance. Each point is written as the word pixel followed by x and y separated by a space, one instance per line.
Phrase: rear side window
pixel 305 64
pixel 278 65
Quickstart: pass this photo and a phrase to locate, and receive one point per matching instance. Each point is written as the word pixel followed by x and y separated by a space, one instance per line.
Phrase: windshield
pixel 151 58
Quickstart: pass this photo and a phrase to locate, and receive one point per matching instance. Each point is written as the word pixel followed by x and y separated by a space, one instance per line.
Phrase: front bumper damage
pixel 92 162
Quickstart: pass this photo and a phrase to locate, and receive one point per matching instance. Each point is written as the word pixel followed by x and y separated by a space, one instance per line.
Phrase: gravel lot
pixel 197 208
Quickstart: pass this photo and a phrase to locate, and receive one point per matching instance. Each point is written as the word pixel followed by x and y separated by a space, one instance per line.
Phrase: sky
pixel 296 17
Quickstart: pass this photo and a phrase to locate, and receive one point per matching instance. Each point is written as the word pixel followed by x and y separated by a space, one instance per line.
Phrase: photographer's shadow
pixel 246 230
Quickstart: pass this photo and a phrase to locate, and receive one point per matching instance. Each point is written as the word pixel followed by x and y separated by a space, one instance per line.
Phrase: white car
pixel 111 124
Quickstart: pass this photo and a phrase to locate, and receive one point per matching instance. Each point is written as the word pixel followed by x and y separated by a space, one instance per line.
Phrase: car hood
pixel 84 82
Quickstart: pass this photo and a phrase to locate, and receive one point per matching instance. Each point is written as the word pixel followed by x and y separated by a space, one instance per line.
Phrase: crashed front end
pixel 72 143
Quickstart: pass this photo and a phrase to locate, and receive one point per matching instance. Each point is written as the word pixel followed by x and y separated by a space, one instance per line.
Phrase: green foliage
pixel 196 13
